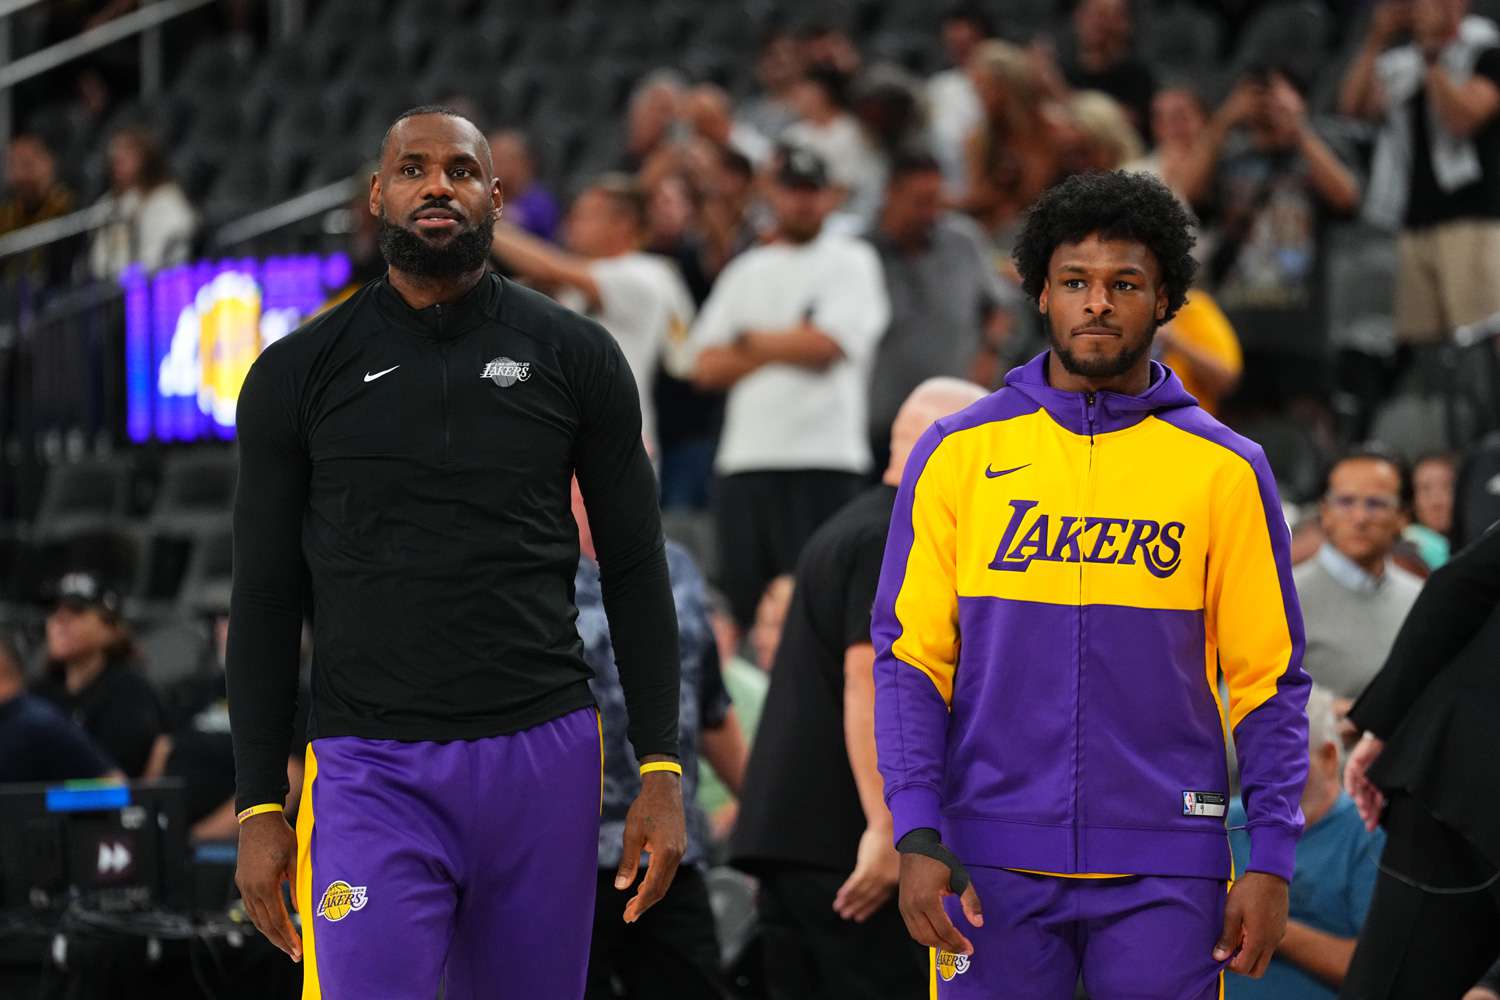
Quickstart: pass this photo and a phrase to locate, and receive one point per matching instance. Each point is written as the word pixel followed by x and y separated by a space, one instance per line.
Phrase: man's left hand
pixel 656 825
pixel 1254 922
pixel 877 872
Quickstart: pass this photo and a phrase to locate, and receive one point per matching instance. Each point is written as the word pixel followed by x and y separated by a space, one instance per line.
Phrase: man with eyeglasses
pixel 1354 597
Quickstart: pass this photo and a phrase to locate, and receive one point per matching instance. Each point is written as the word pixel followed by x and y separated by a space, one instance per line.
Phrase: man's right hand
pixel 924 883
pixel 267 858
pixel 1367 798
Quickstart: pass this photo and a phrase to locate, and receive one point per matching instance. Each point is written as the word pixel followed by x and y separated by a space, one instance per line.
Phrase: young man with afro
pixel 1071 563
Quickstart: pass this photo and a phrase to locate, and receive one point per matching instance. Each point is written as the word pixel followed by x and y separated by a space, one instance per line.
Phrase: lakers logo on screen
pixel 341 899
pixel 950 965
pixel 1116 541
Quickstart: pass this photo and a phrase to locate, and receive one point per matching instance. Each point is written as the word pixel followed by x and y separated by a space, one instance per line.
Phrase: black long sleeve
pixel 619 491
pixel 265 611
pixel 1455 602
pixel 405 480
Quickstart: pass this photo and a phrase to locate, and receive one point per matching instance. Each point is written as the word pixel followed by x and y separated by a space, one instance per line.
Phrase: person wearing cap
pixel 790 332
pixel 91 673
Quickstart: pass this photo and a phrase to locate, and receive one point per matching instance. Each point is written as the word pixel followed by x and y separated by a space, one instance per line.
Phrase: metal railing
pixel 145 22
pixel 286 16
pixel 293 210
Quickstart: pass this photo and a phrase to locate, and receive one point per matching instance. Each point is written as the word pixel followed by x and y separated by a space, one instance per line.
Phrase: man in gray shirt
pixel 1353 597
pixel 945 289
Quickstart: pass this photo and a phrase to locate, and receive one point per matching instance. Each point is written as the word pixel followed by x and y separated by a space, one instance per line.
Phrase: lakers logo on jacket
pixel 1114 541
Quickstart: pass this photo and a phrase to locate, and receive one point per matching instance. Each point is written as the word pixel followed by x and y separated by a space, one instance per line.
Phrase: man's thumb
pixel 630 860
pixel 1229 938
pixel 973 909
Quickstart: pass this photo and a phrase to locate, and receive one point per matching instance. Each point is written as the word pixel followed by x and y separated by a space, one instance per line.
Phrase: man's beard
pixel 1106 367
pixel 465 251
pixel 801 234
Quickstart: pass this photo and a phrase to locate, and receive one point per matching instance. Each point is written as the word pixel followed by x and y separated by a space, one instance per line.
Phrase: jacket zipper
pixel 443 358
pixel 1089 401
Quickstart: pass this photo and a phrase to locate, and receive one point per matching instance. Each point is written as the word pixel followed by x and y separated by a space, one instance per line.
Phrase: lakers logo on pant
pixel 950 965
pixel 341 899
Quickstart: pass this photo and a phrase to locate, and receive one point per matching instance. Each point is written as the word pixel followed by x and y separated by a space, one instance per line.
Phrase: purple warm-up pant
pixel 474 860
pixel 1133 938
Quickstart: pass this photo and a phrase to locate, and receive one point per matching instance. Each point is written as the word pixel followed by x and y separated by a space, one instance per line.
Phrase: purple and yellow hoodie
pixel 1065 575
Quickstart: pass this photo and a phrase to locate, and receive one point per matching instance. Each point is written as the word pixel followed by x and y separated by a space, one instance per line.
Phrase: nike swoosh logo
pixel 371 378
pixel 990 473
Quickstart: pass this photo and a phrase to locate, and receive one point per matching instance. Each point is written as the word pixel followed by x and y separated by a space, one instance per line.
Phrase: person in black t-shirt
pixel 1437 162
pixel 1101 58
pixel 813 824
pixel 37 743
pixel 1270 180
pixel 92 675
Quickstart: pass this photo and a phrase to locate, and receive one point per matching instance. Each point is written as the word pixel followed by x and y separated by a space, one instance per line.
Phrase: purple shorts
pixel 1139 937
pixel 473 859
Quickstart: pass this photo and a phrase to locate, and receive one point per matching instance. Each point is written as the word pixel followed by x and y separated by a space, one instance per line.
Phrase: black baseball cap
pixel 801 167
pixel 82 589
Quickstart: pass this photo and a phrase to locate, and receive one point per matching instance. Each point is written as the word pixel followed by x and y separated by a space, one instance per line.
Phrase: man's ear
pixel 1161 304
pixel 497 198
pixel 1041 299
pixel 375 194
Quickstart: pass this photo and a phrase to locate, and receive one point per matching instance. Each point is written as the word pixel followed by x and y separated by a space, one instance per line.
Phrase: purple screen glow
pixel 192 332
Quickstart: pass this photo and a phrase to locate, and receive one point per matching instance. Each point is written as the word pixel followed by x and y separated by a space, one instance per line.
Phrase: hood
pixel 1113 411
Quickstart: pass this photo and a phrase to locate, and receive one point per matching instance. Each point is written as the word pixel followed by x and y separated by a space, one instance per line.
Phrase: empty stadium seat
pixel 82 496
pixel 1294 35
pixel 1184 41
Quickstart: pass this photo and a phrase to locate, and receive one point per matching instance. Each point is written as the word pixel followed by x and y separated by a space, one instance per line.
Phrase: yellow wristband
pixel 661 765
pixel 257 810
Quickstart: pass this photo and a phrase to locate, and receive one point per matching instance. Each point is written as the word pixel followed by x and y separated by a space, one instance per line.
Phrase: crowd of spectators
pixel 785 269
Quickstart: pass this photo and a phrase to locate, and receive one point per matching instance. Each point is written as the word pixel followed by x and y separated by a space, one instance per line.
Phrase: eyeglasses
pixel 1347 504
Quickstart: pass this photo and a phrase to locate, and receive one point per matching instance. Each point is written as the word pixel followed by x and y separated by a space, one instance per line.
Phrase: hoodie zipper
pixel 1089 402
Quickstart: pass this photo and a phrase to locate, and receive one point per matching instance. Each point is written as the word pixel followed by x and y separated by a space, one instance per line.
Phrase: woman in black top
pixel 91 673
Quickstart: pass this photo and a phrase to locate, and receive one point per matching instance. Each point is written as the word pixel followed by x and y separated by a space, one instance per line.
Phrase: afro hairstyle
pixel 1116 205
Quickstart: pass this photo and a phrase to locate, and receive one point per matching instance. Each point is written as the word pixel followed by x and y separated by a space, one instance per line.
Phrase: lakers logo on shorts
pixel 950 965
pixel 341 899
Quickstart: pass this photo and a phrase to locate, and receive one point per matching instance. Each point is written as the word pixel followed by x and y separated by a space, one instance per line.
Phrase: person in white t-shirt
pixel 640 298
pixel 952 103
pixel 828 129
pixel 790 331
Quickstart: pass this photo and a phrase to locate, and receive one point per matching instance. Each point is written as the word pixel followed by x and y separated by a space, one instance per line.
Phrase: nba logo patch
pixel 341 899
pixel 1204 804
pixel 950 965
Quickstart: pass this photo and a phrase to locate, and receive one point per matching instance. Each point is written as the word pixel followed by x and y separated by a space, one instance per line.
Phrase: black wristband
pixel 924 840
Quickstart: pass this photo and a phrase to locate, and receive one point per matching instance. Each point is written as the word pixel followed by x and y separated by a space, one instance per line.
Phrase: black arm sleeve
pixel 265 608
pixel 1455 602
pixel 619 493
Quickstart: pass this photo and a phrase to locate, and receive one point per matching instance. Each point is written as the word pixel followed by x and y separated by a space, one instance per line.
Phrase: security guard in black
pixel 404 479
